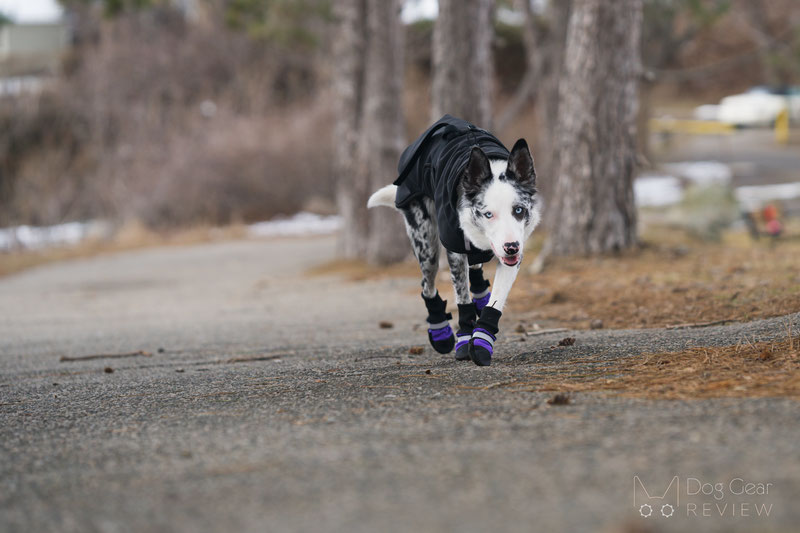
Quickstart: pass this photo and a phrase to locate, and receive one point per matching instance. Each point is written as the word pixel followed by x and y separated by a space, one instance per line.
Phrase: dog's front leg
pixel 503 281
pixel 481 345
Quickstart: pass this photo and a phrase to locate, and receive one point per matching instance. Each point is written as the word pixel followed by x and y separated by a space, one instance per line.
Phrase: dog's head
pixel 498 205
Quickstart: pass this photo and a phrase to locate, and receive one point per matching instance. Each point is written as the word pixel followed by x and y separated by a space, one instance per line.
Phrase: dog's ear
pixel 520 164
pixel 476 172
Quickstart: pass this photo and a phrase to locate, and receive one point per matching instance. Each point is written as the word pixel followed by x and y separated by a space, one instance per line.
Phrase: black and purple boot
pixel 440 334
pixel 467 315
pixel 479 287
pixel 481 345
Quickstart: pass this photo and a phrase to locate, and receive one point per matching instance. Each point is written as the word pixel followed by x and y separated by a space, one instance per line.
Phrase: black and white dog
pixel 457 183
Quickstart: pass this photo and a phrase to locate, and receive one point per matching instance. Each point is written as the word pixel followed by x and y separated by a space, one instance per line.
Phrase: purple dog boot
pixel 441 337
pixel 481 300
pixel 481 345
pixel 467 315
pixel 479 287
pixel 440 334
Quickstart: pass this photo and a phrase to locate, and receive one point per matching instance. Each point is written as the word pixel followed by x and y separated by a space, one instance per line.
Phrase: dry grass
pixel 665 284
pixel 677 281
pixel 760 369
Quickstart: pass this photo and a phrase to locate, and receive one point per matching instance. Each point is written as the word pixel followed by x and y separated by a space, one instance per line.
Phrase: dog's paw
pixel 481 346
pixel 442 338
pixel 462 346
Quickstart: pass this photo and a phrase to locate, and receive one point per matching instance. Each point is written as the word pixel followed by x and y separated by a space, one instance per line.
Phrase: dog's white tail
pixel 384 196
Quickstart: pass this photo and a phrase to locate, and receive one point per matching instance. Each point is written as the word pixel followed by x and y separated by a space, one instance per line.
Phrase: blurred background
pixel 147 117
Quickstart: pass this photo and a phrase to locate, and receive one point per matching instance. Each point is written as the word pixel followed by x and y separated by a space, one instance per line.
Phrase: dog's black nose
pixel 511 248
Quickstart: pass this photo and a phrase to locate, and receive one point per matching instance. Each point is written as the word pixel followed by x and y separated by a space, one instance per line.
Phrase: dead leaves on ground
pixel 747 369
pixel 559 399
pixel 651 287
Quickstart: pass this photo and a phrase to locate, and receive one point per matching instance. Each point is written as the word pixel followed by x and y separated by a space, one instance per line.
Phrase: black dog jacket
pixel 432 167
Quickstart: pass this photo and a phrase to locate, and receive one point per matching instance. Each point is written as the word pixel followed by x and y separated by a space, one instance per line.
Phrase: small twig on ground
pixel 500 384
pixel 546 331
pixel 256 358
pixel 699 324
pixel 65 358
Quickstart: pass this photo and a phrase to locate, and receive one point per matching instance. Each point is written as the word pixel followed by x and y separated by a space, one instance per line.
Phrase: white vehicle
pixel 759 106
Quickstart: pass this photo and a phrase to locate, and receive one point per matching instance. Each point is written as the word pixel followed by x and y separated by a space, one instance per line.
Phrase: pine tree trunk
pixel 368 135
pixel 547 106
pixel 462 61
pixel 592 208
pixel 352 190
pixel 382 132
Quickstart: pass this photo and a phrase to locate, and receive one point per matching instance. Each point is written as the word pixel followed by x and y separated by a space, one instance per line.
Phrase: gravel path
pixel 272 401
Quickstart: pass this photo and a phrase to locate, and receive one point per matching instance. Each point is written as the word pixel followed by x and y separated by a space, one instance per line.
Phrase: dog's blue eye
pixel 488 214
pixel 518 211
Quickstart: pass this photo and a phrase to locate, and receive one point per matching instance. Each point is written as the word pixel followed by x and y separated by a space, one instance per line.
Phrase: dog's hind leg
pixel 424 235
pixel 467 312
pixel 479 287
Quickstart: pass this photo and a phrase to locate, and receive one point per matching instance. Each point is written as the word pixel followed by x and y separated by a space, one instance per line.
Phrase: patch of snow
pixel 21 84
pixel 654 190
pixel 416 10
pixel 299 224
pixel 703 173
pixel 509 16
pixel 706 112
pixel 753 197
pixel 39 237
pixel 659 190
pixel 32 11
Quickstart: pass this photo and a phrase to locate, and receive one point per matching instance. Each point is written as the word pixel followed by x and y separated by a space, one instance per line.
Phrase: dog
pixel 457 184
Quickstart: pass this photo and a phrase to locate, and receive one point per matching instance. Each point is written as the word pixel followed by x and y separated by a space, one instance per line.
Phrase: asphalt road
pixel 273 401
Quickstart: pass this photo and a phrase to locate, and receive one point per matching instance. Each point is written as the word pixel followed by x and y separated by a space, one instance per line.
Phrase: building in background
pixel 32 42
pixel 31 49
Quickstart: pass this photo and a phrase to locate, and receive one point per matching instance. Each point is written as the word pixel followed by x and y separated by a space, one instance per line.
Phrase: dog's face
pixel 498 206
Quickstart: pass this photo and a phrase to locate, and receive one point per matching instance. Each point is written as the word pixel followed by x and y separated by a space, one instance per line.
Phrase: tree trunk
pixel 352 190
pixel 462 61
pixel 592 208
pixel 547 107
pixel 368 135
pixel 382 132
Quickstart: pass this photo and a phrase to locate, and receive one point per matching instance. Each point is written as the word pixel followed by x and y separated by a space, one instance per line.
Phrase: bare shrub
pixel 234 168
pixel 167 122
